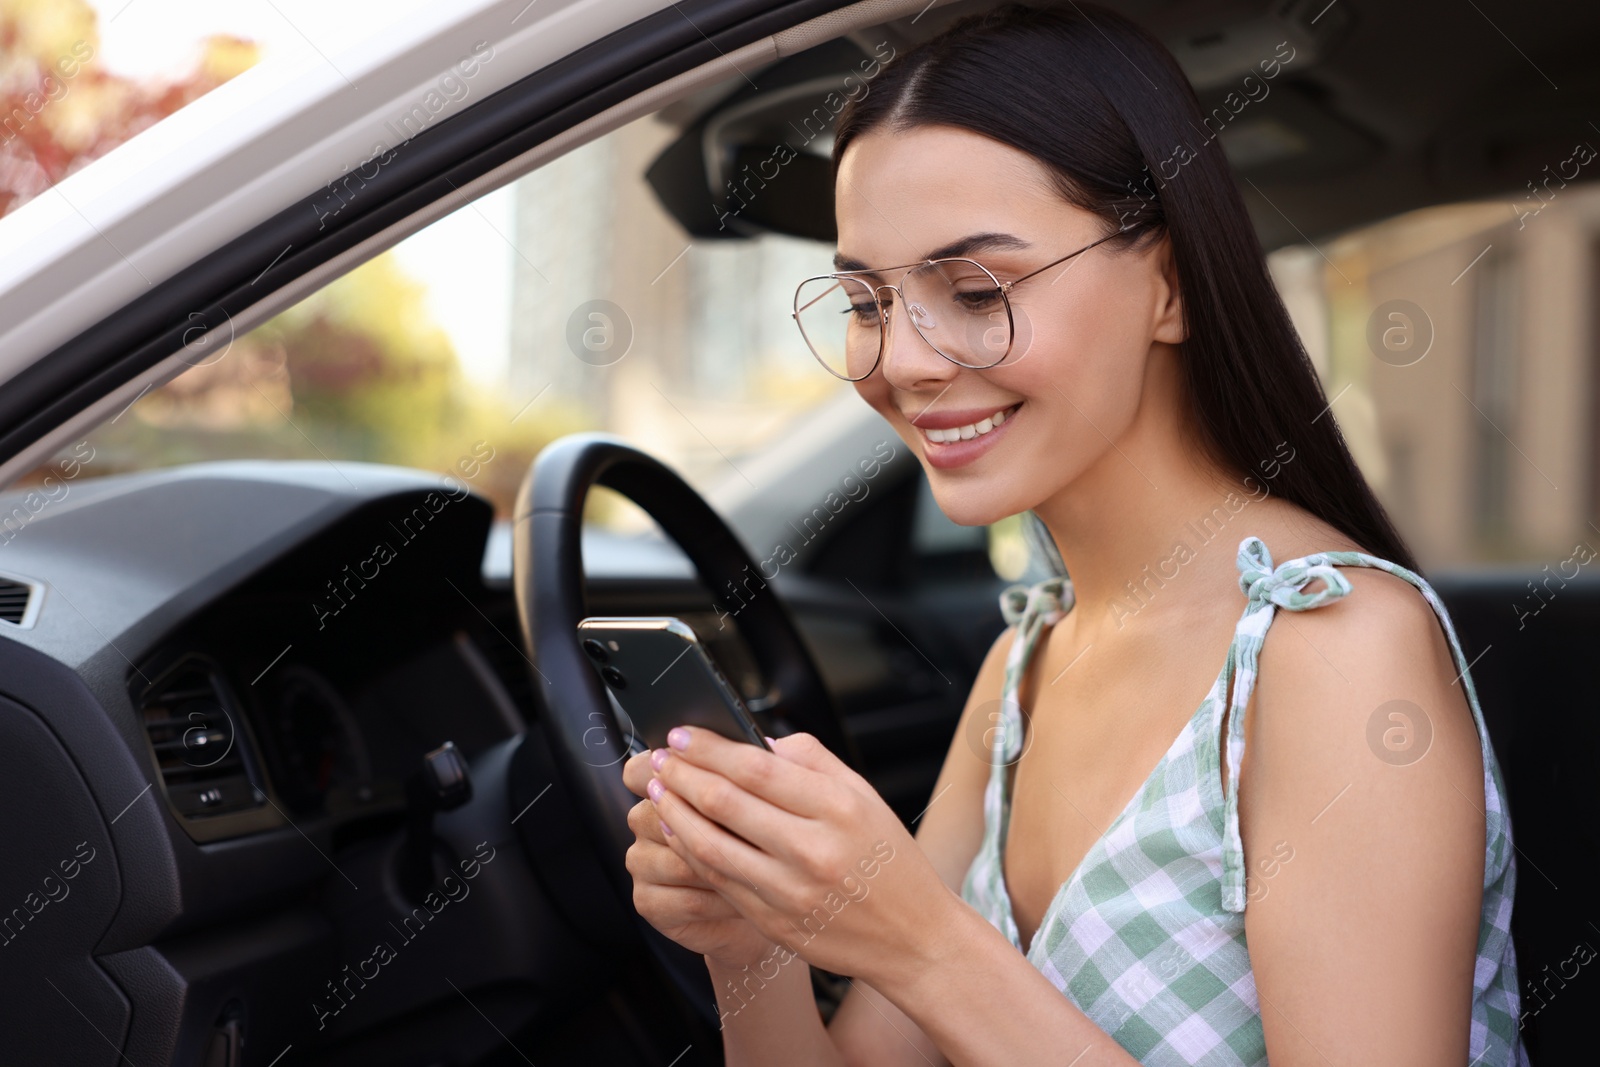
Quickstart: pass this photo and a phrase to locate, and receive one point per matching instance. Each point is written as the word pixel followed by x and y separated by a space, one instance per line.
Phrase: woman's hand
pixel 671 897
pixel 802 846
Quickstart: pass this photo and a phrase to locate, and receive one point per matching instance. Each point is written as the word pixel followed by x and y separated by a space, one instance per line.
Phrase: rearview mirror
pixel 759 160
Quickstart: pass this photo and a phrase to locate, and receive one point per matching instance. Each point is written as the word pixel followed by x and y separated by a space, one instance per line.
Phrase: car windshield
pixel 569 300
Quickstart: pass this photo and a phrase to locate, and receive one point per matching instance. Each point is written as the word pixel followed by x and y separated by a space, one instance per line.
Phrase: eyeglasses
pixel 955 304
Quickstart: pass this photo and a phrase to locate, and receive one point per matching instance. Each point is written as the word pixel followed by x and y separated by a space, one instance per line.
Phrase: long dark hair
pixel 1099 102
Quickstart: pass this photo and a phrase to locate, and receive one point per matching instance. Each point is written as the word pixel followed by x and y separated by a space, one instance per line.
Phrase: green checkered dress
pixel 1147 937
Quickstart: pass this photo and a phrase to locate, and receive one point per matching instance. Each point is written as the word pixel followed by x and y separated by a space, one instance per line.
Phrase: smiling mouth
pixel 971 430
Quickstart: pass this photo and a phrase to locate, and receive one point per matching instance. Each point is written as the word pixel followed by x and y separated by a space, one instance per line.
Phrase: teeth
pixel 968 432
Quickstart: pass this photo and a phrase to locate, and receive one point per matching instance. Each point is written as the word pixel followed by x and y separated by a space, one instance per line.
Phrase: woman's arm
pixel 868 1028
pixel 824 869
pixel 1362 765
pixel 768 1010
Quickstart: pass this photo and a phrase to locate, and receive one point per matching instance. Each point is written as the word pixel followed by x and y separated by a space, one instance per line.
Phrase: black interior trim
pixel 424 169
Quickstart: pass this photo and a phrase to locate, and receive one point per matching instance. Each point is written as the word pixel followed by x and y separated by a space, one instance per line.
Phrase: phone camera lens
pixel 596 650
pixel 614 678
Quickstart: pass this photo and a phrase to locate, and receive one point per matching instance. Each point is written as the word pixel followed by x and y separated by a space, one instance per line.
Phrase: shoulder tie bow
pixel 1283 585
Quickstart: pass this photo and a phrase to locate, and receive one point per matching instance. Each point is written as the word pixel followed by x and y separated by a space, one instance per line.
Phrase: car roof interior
pixel 1386 108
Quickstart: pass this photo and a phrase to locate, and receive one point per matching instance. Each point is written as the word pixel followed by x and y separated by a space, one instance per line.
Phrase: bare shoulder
pixel 992 674
pixel 1382 635
pixel 1361 800
pixel 951 830
pixel 986 687
pixel 1378 652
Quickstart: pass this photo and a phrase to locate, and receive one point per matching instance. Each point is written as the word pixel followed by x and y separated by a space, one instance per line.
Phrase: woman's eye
pixel 978 300
pixel 865 312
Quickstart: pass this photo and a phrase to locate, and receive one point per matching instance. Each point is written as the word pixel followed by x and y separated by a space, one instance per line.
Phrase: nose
pixel 908 359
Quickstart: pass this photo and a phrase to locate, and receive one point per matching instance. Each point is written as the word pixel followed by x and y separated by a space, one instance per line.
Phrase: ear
pixel 1169 325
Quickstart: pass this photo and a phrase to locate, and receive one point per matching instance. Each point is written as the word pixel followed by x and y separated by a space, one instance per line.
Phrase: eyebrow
pixel 977 242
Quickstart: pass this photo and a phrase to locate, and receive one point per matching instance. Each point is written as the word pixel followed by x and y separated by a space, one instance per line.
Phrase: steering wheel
pixel 584 735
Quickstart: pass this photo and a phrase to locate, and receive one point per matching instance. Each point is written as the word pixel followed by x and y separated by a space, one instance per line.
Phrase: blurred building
pixel 705 364
pixel 1459 346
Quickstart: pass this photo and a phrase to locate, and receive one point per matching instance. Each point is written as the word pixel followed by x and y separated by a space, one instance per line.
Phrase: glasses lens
pixel 958 308
pixel 839 319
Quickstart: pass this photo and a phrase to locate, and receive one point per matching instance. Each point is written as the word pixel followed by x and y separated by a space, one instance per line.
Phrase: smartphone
pixel 661 676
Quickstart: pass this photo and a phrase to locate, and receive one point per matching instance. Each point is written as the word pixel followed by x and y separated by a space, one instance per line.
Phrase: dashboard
pixel 325 680
pixel 217 681
pixel 216 685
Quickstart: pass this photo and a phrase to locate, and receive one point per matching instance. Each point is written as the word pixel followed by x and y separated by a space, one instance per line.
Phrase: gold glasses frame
pixel 1003 288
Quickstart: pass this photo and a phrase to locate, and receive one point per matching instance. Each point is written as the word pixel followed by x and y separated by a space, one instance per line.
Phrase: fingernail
pixel 655 789
pixel 770 740
pixel 658 758
pixel 678 738
pixel 665 828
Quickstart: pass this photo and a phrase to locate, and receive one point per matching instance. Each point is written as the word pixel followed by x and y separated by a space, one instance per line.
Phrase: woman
pixel 1078 322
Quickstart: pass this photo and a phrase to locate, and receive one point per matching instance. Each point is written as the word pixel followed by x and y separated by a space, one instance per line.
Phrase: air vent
pixel 198 740
pixel 19 601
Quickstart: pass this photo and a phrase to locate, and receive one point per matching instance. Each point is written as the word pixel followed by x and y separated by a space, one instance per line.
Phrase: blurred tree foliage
pixel 59 110
pixel 357 371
